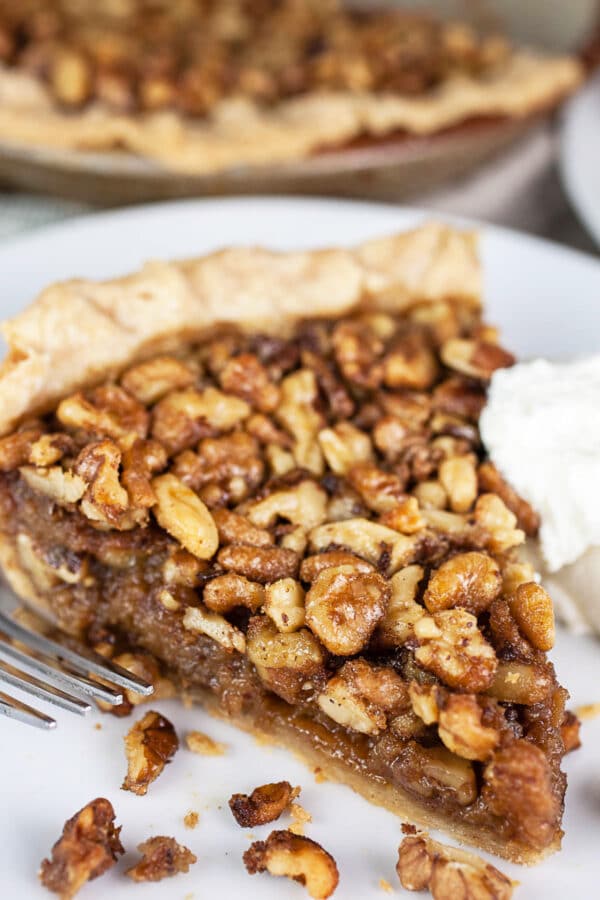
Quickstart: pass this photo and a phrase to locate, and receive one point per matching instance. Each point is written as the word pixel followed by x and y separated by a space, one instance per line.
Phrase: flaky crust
pixel 80 332
pixel 240 133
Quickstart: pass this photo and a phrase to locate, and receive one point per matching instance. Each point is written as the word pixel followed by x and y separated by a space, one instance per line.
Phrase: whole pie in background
pixel 265 470
pixel 204 86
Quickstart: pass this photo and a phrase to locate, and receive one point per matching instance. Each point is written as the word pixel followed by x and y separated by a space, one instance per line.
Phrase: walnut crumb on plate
pixel 295 857
pixel 203 745
pixel 88 846
pixel 191 819
pixel 149 745
pixel 162 857
pixel 265 804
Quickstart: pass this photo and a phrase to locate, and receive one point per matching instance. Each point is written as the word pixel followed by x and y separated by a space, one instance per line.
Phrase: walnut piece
pixel 162 857
pixel 452 647
pixel 184 516
pixel 498 523
pixel 478 359
pixel 262 564
pixel 361 696
pixel 203 745
pixel 297 857
pixel 343 607
pixel 459 479
pixel 304 504
pixel 106 501
pixel 224 593
pixel 215 626
pixel 471 581
pixel 289 664
pixel 449 872
pixel 265 804
pixel 402 611
pixel 376 543
pixel 88 846
pixel 284 604
pixel 149 745
pixel 297 413
pixel 533 612
pixel 344 446
pixel 59 485
pixel 149 381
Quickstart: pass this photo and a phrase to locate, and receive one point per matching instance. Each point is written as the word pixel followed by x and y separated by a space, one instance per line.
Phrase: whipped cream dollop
pixel 541 428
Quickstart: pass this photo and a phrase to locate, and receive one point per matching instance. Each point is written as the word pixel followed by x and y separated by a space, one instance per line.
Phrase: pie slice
pixel 205 86
pixel 263 469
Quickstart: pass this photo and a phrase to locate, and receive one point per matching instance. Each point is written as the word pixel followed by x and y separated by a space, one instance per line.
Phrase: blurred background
pixel 538 176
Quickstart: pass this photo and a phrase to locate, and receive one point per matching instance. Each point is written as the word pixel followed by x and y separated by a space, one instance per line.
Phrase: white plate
pixel 547 300
pixel 580 155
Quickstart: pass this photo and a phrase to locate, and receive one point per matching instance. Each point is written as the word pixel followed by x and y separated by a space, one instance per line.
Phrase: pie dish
pixel 264 470
pixel 205 87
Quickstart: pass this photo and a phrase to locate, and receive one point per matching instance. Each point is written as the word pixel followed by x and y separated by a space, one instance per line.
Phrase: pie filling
pixel 148 56
pixel 306 530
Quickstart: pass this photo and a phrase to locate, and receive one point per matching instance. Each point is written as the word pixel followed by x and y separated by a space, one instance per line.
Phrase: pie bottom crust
pixel 283 733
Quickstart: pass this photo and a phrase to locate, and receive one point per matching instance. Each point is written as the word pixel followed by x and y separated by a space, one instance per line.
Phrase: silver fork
pixel 52 672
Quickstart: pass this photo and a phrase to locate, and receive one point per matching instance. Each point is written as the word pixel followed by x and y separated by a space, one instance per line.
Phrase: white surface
pixel 548 301
pixel 541 427
pixel 580 155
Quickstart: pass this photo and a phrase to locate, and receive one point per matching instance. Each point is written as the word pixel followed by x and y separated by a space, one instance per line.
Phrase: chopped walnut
pixel 403 611
pixel 517 786
pixel 478 359
pixel 344 446
pixel 225 592
pixel 106 502
pixel 59 485
pixel 376 543
pixel 109 412
pixel 522 683
pixel 150 381
pixel 297 857
pixel 312 566
pixel 162 857
pixel 290 664
pixel 234 528
pixel 49 449
pixel 203 745
pixel 15 449
pixel 215 626
pixel 491 480
pixel 498 523
pixel 184 516
pixel 449 872
pixel 262 564
pixel 265 804
pixel 459 479
pixel 343 607
pixel 404 517
pixel 149 745
pixel 88 847
pixel 431 495
pixel 297 413
pixel 452 647
pixel 533 612
pixel 361 696
pixel 358 350
pixel 182 417
pixel 303 504
pixel 461 729
pixel 246 377
pixel 141 461
pixel 191 819
pixel 471 581
pixel 284 604
pixel 380 491
pixel 410 363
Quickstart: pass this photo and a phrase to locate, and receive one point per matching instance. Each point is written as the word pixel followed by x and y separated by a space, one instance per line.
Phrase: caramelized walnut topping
pixel 297 413
pixel 215 626
pixel 534 614
pixel 343 607
pixel 149 745
pixel 246 377
pixel 471 581
pixel 410 363
pixel 477 359
pixel 379 545
pixel 449 872
pixel 15 449
pixel 265 804
pixel 498 523
pixel 162 857
pixel 491 480
pixel 290 664
pixel 518 787
pixel 61 486
pixel 458 478
pixel 262 564
pixel 303 504
pixel 402 612
pixel 183 417
pixel 108 411
pixel 452 647
pixel 234 528
pixel 358 350
pixel 297 857
pixel 225 592
pixel 284 604
pixel 362 696
pixel 344 446
pixel 106 502
pixel 312 566
pixel 184 516
pixel 380 491
pixel 88 847
pixel 150 381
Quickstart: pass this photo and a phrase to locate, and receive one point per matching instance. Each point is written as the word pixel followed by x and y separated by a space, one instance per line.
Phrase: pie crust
pixel 504 712
pixel 241 133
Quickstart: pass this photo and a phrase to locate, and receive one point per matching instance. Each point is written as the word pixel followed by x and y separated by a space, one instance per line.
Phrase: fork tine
pixel 77 682
pixel 84 661
pixel 14 709
pixel 15 678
